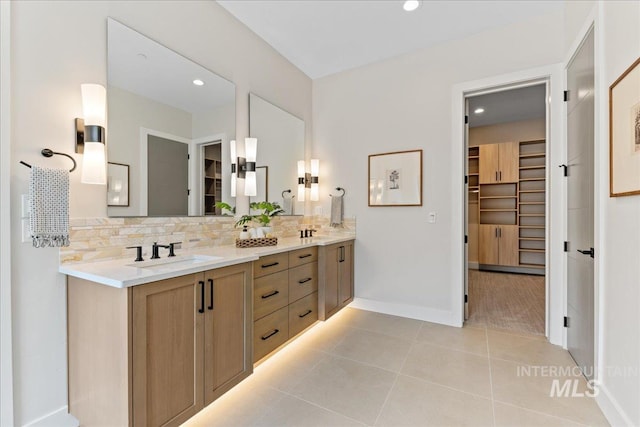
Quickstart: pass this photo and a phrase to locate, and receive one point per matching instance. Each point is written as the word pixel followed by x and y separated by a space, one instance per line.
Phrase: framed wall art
pixel 624 133
pixel 117 184
pixel 395 179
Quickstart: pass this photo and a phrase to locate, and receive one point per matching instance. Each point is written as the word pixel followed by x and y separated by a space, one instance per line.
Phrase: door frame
pixel 555 298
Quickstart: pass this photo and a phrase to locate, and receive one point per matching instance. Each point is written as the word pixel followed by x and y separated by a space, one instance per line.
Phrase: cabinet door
pixel 226 329
pixel 489 164
pixel 167 351
pixel 346 273
pixel 509 158
pixel 508 243
pixel 488 244
pixel 331 279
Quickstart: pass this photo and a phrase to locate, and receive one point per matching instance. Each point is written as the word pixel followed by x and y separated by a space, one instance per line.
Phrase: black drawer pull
pixel 270 294
pixel 270 334
pixel 273 264
pixel 210 307
pixel 305 314
pixel 305 256
pixel 308 279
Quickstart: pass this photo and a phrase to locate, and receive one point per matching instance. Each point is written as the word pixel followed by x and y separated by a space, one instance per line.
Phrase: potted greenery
pixel 267 211
pixel 231 210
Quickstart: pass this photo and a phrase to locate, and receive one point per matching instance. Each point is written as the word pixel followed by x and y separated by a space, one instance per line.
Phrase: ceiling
pixel 323 37
pixel 512 105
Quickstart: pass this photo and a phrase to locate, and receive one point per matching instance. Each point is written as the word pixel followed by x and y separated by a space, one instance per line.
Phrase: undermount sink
pixel 174 262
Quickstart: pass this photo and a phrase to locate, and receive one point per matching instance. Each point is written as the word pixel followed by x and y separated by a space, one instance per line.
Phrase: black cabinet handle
pixel 210 307
pixel 201 309
pixel 341 253
pixel 270 294
pixel 270 334
pixel 308 279
pixel 273 264
pixel 305 314
pixel 304 256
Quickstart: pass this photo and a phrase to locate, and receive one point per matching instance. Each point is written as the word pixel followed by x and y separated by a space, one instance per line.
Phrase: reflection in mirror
pixel 171 121
pixel 280 146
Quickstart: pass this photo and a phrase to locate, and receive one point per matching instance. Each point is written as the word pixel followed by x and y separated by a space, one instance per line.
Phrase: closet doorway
pixel 506 206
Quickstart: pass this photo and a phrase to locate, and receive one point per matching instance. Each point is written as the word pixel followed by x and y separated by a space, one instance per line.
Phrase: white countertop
pixel 122 273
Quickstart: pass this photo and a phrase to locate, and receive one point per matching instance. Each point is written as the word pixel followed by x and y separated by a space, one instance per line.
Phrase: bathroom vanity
pixel 153 343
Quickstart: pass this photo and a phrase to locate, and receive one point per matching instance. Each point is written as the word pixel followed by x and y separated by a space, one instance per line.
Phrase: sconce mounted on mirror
pixel 309 180
pixel 245 167
pixel 90 134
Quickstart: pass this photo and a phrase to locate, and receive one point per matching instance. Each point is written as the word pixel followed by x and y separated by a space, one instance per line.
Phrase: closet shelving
pixel 212 178
pixel 532 204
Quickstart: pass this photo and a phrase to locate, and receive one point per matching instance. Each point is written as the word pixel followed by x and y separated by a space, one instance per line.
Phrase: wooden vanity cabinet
pixel 285 298
pixel 155 354
pixel 335 278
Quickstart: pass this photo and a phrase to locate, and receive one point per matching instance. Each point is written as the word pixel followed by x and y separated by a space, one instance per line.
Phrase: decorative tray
pixel 254 243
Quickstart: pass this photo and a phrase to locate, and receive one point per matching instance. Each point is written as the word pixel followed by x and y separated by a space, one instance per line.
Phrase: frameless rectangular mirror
pixel 170 120
pixel 280 145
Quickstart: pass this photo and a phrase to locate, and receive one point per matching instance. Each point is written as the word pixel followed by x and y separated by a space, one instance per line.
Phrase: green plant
pixel 226 207
pixel 269 210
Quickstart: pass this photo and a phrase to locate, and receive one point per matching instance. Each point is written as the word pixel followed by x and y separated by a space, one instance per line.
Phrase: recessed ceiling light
pixel 198 82
pixel 479 110
pixel 411 5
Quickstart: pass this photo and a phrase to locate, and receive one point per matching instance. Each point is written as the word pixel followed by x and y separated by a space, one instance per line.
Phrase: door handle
pixel 589 252
pixel 210 307
pixel 500 176
pixel 496 175
pixel 500 232
pixel 201 309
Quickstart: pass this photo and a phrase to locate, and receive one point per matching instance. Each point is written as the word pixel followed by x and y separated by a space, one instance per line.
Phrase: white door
pixel 466 209
pixel 580 149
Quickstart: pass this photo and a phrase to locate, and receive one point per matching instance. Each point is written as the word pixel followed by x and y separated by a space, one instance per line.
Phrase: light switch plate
pixel 432 217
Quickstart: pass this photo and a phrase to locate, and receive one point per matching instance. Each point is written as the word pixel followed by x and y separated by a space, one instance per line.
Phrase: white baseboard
pixel 59 418
pixel 406 310
pixel 611 409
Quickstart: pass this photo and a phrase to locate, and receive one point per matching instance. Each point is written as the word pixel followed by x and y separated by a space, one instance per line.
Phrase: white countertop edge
pixel 119 273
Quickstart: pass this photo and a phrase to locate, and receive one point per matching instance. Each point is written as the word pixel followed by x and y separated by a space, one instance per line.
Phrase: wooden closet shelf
pixel 537 239
pixel 532 155
pixel 533 227
pixel 535 215
pixel 537 251
pixel 532 203
pixel 531 179
pixel 498 210
pixel 498 197
pixel 213 160
pixel 532 265
pixel 522 168
pixel 474 174
pixel 532 191
pixel 474 157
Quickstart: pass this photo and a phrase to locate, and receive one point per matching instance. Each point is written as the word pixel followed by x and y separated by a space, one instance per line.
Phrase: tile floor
pixel 365 368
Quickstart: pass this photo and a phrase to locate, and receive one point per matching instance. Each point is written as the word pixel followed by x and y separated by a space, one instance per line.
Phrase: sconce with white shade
pixel 309 180
pixel 245 167
pixel 90 134
pixel 234 167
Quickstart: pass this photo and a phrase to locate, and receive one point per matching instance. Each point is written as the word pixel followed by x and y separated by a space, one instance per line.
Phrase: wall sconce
pixel 90 134
pixel 309 180
pixel 246 167
pixel 234 167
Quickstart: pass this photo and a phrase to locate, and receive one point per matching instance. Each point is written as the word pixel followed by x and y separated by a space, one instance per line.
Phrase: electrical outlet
pixel 432 217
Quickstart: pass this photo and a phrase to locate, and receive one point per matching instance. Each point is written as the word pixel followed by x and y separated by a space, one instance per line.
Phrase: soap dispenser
pixel 244 234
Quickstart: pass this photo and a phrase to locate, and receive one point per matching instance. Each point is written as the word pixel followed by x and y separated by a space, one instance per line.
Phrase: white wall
pixel 403 264
pixel 618 44
pixel 56 46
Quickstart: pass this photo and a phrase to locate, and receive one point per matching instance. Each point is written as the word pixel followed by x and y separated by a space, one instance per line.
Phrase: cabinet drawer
pixel 302 281
pixel 270 293
pixel 270 332
pixel 303 256
pixel 303 313
pixel 270 264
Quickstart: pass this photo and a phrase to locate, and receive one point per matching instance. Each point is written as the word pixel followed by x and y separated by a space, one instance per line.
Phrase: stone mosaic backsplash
pixel 107 238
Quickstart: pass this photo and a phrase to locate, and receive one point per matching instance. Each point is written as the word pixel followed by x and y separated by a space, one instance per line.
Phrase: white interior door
pixel 580 152
pixel 466 210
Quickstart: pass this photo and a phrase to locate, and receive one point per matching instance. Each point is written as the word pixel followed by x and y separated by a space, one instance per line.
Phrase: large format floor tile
pixel 413 402
pixel 365 368
pixel 347 387
pixel 456 369
pixel 472 340
pixel 373 348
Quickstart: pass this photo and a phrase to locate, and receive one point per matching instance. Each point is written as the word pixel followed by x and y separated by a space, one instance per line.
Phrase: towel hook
pixel 48 153
pixel 286 191
pixel 341 189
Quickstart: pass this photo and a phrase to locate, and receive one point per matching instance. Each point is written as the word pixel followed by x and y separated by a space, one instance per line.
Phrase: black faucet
pixel 155 248
pixel 172 247
pixel 138 252
pixel 307 232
